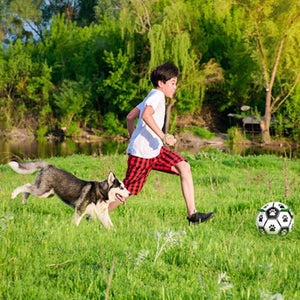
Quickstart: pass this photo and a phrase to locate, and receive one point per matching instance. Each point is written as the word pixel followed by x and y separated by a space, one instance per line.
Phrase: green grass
pixel 152 253
pixel 201 132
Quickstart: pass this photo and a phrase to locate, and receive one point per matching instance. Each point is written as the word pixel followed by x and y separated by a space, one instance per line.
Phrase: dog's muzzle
pixel 121 198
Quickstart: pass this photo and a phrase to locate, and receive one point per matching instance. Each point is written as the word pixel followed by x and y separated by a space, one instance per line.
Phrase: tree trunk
pixel 267 120
pixel 170 104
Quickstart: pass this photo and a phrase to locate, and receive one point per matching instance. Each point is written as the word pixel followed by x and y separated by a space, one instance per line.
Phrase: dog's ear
pixel 111 178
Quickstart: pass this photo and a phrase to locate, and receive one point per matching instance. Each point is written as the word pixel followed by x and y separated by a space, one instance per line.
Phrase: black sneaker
pixel 198 217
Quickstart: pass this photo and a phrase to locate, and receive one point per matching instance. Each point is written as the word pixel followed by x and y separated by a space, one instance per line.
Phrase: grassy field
pixel 153 253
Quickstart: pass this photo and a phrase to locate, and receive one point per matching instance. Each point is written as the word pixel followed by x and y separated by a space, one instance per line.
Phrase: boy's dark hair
pixel 164 73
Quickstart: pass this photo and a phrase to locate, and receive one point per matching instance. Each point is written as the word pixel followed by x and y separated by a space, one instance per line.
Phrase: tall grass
pixel 153 253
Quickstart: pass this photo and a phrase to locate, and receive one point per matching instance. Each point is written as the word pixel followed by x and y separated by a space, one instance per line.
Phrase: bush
pixel 111 125
pixel 235 136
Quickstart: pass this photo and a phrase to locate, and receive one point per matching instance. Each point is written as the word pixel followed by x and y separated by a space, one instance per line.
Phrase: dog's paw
pixel 14 194
pixel 76 219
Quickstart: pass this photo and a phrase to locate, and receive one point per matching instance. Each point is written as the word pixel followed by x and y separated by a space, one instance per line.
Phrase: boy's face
pixel 168 88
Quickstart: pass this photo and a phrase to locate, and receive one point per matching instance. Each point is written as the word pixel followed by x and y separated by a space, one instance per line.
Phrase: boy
pixel 147 147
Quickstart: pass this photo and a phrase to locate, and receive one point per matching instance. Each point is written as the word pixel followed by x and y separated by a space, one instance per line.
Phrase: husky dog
pixel 86 197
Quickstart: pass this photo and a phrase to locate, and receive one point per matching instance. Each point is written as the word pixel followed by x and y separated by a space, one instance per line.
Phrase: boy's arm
pixel 147 116
pixel 130 120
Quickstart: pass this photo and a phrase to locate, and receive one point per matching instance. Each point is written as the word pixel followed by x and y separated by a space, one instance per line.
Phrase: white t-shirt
pixel 144 142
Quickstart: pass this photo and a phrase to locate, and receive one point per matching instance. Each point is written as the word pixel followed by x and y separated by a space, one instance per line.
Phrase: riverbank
pixel 184 138
pixel 22 145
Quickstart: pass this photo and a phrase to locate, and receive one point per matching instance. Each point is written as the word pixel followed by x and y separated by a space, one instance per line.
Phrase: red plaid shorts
pixel 138 168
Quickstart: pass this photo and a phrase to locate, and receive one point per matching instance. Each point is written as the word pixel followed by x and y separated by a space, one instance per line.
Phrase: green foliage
pixel 292 116
pixel 73 52
pixel 118 90
pixel 111 47
pixel 235 136
pixel 25 85
pixel 201 132
pixel 107 9
pixel 273 28
pixel 71 101
pixel 174 43
pixel 111 125
pixel 219 31
pixel 21 19
pixel 168 36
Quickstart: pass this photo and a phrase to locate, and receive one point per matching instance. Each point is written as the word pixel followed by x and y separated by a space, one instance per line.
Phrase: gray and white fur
pixel 85 197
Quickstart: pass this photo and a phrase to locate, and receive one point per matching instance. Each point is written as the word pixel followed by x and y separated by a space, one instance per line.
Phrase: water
pixel 33 149
pixel 279 150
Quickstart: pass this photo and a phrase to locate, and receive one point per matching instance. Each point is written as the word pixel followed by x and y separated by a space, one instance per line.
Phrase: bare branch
pixel 35 28
pixel 286 97
pixel 262 54
pixel 274 71
pixel 147 14
pixel 145 24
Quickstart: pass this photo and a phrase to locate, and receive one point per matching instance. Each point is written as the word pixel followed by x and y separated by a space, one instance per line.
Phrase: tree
pixel 25 86
pixel 274 30
pixel 70 8
pixel 70 101
pixel 27 19
pixel 218 33
pixel 292 109
pixel 117 90
pixel 3 19
pixel 167 27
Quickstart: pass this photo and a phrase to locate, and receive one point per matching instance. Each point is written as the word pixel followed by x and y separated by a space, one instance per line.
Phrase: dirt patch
pixel 18 135
pixel 188 120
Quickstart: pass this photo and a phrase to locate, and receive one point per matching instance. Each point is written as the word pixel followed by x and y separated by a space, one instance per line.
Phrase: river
pixel 32 149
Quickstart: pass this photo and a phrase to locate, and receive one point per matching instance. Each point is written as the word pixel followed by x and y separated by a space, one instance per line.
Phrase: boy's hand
pixel 169 140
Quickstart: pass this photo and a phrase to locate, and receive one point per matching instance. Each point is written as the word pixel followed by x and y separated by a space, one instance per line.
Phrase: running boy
pixel 148 144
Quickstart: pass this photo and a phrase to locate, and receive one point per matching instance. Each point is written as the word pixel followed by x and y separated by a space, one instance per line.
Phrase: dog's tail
pixel 28 167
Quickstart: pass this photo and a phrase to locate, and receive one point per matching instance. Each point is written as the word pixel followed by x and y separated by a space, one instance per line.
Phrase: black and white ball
pixel 275 218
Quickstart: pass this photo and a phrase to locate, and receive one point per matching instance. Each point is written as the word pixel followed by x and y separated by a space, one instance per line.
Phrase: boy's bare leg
pixel 113 205
pixel 187 186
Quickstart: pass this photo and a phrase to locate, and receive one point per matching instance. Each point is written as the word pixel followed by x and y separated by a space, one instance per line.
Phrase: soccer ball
pixel 275 218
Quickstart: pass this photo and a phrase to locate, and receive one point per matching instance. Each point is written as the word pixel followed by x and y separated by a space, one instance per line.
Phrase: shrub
pixel 111 125
pixel 235 136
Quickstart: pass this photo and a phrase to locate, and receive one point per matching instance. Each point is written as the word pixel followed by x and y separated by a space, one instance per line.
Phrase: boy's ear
pixel 160 83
